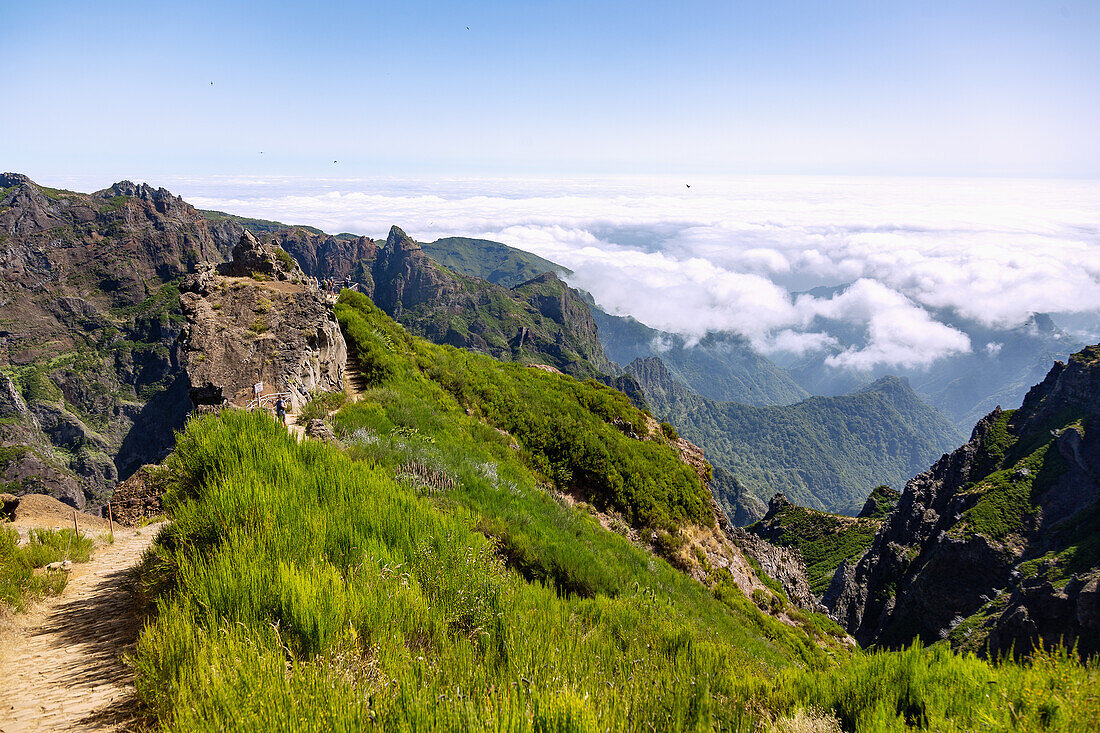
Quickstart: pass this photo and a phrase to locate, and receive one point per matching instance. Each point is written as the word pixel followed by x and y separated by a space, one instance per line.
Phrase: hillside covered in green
pixel 498 263
pixel 825 540
pixel 825 453
pixel 420 576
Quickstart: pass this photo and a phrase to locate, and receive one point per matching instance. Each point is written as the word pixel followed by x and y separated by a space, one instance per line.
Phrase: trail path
pixel 61 662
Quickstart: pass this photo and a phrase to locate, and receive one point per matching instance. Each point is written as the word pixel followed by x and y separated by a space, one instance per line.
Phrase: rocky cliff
pixel 90 315
pixel 997 546
pixel 258 318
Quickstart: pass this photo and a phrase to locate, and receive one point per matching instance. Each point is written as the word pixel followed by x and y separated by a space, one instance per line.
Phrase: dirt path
pixel 62 667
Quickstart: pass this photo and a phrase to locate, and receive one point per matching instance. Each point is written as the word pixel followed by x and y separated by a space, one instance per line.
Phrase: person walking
pixel 280 409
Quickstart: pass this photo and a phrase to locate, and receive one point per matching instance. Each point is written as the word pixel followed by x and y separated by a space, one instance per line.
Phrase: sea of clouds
pixel 692 255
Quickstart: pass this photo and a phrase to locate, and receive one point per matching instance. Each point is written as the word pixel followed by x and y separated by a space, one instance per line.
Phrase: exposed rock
pixel 319 429
pixel 139 497
pixel 89 277
pixel 540 320
pixel 782 564
pixel 11 402
pixel 252 259
pixel 935 563
pixel 279 331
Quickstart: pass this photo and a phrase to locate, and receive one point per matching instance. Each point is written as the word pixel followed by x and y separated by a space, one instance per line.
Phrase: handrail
pixel 269 398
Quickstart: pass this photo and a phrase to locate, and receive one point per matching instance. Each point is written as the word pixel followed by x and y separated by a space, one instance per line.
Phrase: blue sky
pixel 403 88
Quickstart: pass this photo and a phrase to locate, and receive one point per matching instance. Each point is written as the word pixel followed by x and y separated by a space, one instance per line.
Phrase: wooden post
pixel 69 546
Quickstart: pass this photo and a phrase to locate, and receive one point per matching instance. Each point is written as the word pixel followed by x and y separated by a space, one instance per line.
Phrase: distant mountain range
pixel 825 453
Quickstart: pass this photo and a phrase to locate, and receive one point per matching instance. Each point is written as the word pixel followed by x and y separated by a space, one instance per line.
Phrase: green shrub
pixel 19 583
pixel 37 386
pixel 669 432
pixel 320 405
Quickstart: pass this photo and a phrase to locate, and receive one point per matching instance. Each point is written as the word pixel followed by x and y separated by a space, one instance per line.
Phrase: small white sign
pixel 258 388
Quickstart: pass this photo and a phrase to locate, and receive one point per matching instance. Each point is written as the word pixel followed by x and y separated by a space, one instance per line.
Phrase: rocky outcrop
pixel 278 330
pixel 139 497
pixel 326 256
pixel 985 548
pixel 781 564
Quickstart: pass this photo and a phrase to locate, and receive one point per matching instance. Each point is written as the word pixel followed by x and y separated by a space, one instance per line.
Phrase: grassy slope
pixel 306 587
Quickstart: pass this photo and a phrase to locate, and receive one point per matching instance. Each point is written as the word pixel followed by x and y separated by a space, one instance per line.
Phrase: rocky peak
pixel 656 379
pixel 398 241
pixel 7 180
pixel 778 503
pixel 252 257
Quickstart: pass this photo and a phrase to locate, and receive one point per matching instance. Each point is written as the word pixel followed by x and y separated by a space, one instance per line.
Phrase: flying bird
pixel 334 161
pixel 688 185
pixel 467 27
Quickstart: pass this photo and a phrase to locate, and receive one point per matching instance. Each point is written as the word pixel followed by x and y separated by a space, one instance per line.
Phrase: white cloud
pixel 724 254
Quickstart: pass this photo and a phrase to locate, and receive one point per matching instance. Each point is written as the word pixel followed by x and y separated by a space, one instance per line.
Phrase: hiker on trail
pixel 347 282
pixel 280 409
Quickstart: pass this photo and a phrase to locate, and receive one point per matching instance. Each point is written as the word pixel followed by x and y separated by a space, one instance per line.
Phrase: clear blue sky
pixel 1003 87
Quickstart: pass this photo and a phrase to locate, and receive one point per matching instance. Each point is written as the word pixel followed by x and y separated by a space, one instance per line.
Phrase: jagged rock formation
pixel 90 318
pixel 271 325
pixel 995 546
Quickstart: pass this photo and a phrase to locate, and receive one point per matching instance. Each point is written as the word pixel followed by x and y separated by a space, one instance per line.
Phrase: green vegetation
pixel 36 385
pixel 259 325
pixel 575 434
pixel 825 540
pixel 300 583
pixel 284 258
pixel 720 366
pixel 256 226
pixel 302 587
pixel 53 545
pixel 19 583
pixel 492 261
pixel 320 405
pixel 824 452
pixel 882 501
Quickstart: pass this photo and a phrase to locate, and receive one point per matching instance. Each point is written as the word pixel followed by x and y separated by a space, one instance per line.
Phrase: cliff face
pixel 995 546
pixel 258 318
pixel 90 317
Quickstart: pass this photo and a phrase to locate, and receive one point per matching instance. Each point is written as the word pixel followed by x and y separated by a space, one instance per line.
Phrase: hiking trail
pixel 62 660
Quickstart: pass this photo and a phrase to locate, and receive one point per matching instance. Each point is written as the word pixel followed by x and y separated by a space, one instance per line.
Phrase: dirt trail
pixel 62 666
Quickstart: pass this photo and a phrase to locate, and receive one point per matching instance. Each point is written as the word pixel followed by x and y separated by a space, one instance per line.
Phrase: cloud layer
pixel 727 254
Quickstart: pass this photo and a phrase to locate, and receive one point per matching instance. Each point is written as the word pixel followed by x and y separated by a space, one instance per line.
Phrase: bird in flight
pixel 688 185
pixel 334 161
pixel 467 27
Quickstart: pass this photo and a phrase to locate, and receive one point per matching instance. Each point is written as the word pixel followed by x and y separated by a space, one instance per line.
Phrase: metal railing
pixel 267 401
